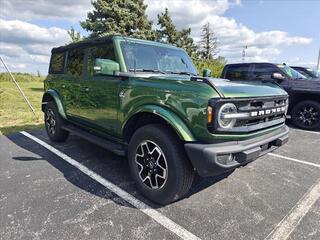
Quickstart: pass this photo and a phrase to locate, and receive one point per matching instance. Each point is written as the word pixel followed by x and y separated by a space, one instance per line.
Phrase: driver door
pixel 100 93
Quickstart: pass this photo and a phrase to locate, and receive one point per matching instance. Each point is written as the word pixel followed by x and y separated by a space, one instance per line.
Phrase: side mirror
pixel 106 66
pixel 206 72
pixel 277 76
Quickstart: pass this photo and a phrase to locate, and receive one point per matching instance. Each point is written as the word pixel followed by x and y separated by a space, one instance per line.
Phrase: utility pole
pixel 318 66
pixel 244 53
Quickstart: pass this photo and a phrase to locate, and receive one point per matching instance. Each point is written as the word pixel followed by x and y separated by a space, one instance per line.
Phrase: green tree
pixel 215 65
pixel 168 33
pixel 74 35
pixel 125 17
pixel 208 43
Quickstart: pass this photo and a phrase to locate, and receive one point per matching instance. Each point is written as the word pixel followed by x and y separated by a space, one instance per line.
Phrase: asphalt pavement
pixel 75 195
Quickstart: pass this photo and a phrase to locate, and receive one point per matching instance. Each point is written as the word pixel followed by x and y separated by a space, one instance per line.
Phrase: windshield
pixel 146 57
pixel 291 72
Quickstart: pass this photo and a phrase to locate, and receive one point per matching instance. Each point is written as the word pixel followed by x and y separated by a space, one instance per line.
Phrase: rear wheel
pixel 159 165
pixel 306 115
pixel 53 123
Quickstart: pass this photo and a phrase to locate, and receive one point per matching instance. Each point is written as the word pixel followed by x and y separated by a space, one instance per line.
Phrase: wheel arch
pixel 52 95
pixel 151 114
pixel 300 97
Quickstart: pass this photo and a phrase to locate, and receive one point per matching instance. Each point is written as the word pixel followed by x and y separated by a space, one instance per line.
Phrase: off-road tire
pixel 303 111
pixel 52 116
pixel 180 173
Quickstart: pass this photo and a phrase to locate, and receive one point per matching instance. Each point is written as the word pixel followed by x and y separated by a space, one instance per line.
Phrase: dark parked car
pixel 304 101
pixel 307 72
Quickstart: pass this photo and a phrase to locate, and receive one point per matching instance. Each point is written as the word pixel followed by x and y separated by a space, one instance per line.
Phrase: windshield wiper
pixel 146 70
pixel 183 73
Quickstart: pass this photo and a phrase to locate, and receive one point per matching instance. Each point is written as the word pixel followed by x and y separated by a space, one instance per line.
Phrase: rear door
pixel 100 93
pixel 70 86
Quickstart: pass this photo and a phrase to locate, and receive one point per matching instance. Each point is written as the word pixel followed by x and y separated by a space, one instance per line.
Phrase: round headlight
pixel 227 108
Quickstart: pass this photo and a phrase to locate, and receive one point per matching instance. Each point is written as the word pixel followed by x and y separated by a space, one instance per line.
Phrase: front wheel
pixel 159 165
pixel 306 115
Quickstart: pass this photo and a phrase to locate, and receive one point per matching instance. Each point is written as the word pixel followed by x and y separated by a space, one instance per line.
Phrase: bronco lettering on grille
pixel 267 111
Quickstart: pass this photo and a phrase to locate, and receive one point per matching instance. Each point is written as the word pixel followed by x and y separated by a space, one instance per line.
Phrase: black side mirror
pixel 277 76
pixel 206 72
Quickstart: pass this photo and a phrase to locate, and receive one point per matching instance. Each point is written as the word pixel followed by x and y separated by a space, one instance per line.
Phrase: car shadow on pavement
pixel 109 166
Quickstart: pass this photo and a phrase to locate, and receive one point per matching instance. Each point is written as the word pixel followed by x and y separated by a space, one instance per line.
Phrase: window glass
pixel 304 72
pixel 56 63
pixel 105 51
pixel 75 62
pixel 141 57
pixel 237 72
pixel 263 71
pixel 291 72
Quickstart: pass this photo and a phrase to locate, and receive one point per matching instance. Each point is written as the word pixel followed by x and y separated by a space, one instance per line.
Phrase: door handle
pixel 63 85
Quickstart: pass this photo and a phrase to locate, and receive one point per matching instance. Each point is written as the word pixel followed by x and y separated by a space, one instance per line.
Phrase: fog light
pixel 225 159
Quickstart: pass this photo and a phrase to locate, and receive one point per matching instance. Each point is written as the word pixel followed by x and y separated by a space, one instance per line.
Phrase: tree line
pixel 129 18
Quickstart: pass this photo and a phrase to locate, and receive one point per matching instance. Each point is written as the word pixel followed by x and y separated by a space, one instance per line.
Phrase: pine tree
pixel 74 35
pixel 209 43
pixel 168 33
pixel 124 17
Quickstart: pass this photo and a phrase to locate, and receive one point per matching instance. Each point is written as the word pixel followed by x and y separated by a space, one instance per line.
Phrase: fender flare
pixel 52 94
pixel 170 117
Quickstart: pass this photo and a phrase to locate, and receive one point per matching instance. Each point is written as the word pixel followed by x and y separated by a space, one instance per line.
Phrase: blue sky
pixel 301 18
pixel 275 31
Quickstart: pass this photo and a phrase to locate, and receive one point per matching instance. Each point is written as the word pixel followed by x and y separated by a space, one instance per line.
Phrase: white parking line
pixel 294 160
pixel 155 215
pixel 286 226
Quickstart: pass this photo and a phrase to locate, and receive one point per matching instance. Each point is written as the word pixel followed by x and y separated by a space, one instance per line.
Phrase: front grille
pixel 260 106
pixel 263 113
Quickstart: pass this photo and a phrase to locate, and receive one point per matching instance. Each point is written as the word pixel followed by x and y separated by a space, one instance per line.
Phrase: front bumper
pixel 209 159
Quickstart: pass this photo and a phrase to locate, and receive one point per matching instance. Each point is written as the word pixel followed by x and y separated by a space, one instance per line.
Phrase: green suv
pixel 145 100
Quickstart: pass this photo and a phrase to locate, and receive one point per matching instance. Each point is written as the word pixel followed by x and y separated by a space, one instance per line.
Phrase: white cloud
pixel 70 10
pixel 27 47
pixel 232 36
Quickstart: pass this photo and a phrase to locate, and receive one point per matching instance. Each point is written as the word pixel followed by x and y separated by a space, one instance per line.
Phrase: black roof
pixel 84 43
pixel 245 63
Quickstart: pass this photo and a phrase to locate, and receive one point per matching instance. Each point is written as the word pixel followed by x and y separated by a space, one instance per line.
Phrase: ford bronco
pixel 145 100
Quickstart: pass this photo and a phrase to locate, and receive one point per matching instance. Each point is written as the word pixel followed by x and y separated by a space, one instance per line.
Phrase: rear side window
pixel 263 71
pixel 105 51
pixel 237 72
pixel 56 63
pixel 75 62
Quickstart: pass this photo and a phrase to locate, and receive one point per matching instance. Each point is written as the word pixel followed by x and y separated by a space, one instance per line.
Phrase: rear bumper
pixel 214 159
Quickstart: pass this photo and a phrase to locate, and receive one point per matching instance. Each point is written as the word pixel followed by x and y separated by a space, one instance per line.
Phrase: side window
pixel 56 63
pixel 237 72
pixel 75 62
pixel 105 51
pixel 263 71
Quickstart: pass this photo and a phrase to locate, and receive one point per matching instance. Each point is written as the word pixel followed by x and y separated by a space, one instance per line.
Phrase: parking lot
pixel 74 190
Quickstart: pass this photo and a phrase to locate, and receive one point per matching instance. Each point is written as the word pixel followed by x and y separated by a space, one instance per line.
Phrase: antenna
pixel 318 66
pixel 244 53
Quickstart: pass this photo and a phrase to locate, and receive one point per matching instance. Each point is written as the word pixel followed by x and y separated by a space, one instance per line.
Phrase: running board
pixel 117 148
